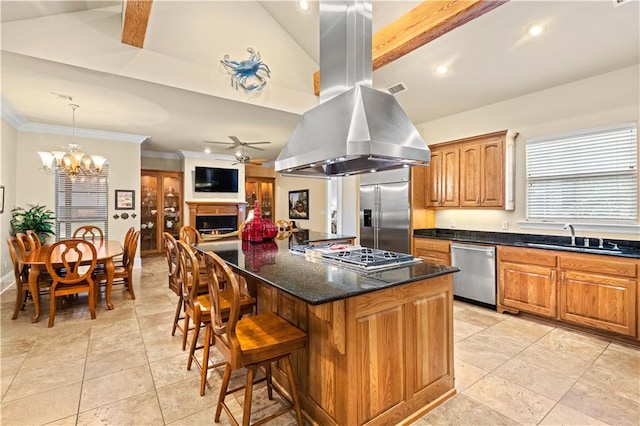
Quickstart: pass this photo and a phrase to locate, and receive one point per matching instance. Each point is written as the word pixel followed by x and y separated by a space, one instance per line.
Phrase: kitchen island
pixel 380 347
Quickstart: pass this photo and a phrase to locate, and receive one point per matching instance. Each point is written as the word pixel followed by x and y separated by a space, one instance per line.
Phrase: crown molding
pixel 11 115
pixel 17 120
pixel 159 154
pixel 53 129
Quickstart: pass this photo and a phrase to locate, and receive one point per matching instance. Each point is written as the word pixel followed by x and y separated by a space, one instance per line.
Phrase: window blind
pixel 590 174
pixel 81 202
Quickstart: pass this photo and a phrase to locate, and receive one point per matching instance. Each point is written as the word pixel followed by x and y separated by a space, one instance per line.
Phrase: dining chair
pixel 21 275
pixel 123 273
pixel 250 342
pixel 190 235
pixel 198 307
pixel 79 258
pixel 89 232
pixel 119 260
pixel 34 239
pixel 171 253
pixel 24 242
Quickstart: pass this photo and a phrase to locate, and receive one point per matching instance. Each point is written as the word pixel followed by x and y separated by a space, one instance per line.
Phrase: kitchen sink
pixel 571 248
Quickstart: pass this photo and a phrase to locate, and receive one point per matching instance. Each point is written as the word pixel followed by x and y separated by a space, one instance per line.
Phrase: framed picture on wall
pixel 299 204
pixel 125 199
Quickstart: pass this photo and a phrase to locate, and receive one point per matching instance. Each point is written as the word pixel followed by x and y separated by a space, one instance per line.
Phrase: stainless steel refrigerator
pixel 384 210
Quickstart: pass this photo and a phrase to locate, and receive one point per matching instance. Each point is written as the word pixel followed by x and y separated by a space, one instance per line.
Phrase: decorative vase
pixel 269 230
pixel 255 225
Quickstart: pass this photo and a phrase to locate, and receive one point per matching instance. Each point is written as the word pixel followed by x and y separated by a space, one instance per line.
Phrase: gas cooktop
pixel 367 258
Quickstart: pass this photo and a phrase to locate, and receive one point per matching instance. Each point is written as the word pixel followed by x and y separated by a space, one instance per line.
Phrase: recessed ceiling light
pixel 535 30
pixel 207 151
pixel 442 69
pixel 304 5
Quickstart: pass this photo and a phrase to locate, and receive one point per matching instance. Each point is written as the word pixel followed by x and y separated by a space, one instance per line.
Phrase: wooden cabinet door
pixel 528 288
pixel 491 184
pixel 381 356
pixel 601 301
pixel 450 178
pixel 161 208
pixel 481 174
pixel 261 189
pixel 434 180
pixel 150 212
pixel 470 175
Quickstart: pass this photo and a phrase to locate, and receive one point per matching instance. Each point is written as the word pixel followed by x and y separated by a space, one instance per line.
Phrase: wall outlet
pixel 505 225
pixel 453 223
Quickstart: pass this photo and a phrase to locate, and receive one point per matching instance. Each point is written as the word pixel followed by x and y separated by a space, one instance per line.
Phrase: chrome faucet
pixel 573 233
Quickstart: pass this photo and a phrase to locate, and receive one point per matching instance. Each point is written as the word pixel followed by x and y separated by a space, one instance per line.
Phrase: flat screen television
pixel 215 179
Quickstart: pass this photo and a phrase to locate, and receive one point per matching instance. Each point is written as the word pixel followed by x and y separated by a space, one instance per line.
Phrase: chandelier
pixel 72 160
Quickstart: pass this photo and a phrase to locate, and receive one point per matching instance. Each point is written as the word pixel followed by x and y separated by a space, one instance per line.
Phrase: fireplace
pixel 216 217
pixel 216 225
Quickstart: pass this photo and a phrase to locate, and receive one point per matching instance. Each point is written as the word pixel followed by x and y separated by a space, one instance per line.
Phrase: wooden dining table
pixel 37 262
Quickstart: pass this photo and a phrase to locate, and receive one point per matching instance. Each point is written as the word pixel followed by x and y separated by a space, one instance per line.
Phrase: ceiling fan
pixel 237 143
pixel 243 158
pixel 240 155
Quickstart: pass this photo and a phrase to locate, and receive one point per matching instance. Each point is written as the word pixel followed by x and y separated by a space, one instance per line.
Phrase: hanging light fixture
pixel 72 160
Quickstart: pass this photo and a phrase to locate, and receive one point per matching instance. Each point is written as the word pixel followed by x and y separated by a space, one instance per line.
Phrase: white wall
pixel 317 201
pixel 124 173
pixel 605 99
pixel 8 170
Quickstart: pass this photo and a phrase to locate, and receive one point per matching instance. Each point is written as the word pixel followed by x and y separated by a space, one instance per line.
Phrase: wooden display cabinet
pixel 262 190
pixel 161 208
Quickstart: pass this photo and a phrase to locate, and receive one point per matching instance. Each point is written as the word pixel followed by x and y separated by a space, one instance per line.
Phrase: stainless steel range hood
pixel 355 129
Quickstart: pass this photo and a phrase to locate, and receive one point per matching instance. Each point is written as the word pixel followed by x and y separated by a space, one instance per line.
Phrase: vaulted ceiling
pixel 176 91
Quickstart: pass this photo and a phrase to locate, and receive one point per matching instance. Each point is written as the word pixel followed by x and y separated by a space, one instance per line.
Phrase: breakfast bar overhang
pixel 380 347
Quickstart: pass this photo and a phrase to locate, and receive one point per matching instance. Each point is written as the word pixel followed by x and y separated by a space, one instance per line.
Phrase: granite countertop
pixel 627 248
pixel 314 281
pixel 305 236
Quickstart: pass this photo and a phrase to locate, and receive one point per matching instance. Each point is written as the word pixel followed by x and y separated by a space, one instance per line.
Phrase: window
pixel 81 202
pixel 590 174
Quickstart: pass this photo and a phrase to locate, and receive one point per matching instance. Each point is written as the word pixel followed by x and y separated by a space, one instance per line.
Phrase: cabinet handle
pixel 562 277
pixel 553 276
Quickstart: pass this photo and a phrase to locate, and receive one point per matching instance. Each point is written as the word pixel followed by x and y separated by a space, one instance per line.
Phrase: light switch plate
pixel 505 225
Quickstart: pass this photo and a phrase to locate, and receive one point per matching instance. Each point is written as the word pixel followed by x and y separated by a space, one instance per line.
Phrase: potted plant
pixel 37 218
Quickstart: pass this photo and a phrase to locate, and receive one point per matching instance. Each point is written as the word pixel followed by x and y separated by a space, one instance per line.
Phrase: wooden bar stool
pixel 251 342
pixel 198 307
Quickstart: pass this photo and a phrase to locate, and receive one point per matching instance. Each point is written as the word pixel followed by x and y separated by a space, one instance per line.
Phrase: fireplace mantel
pixel 216 208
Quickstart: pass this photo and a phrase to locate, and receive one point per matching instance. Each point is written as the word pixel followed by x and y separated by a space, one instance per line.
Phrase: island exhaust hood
pixel 355 129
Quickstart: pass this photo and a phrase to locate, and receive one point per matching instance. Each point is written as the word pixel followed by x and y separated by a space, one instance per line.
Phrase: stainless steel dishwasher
pixel 476 280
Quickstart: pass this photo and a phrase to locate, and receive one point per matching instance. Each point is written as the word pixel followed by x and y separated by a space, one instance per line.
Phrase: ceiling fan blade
pixel 235 140
pixel 219 143
pixel 255 143
pixel 253 147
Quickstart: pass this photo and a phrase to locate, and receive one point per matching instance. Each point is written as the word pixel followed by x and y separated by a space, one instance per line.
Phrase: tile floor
pixel 125 368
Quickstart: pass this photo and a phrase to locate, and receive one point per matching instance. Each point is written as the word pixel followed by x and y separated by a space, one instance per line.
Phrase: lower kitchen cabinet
pixel 599 292
pixel 432 251
pixel 527 281
pixel 589 290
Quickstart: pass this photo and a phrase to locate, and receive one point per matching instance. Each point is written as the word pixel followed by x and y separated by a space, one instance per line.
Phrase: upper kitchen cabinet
pixel 442 189
pixel 161 194
pixel 475 172
pixel 262 190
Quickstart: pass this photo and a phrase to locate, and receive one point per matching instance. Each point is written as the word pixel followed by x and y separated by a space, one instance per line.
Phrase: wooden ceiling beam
pixel 419 26
pixel 135 21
